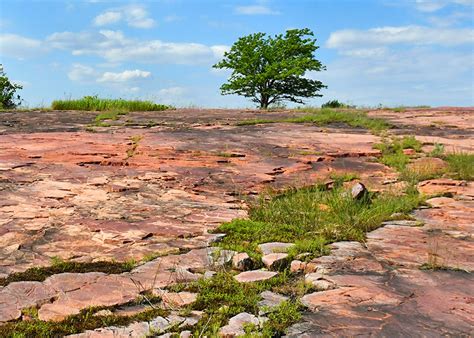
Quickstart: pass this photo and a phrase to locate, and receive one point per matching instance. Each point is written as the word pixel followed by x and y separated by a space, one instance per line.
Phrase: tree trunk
pixel 264 102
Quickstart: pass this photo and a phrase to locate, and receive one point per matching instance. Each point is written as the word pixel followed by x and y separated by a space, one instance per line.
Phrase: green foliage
pixel 285 315
pixel 222 297
pixel 335 104
pixel 97 104
pixel 461 165
pixel 8 97
pixel 438 150
pixel 392 151
pixel 270 70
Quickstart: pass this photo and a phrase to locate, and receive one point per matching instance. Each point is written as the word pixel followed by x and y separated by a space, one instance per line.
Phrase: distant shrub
pixel 335 104
pixel 8 97
pixel 97 104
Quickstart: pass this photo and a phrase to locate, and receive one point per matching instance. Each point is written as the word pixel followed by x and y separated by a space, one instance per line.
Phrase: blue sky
pixel 386 52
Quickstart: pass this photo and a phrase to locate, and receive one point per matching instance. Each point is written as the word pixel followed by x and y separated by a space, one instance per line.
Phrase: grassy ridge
pixel 326 116
pixel 97 104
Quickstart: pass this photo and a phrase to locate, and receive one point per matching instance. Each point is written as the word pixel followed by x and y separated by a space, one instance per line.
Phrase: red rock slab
pixel 413 247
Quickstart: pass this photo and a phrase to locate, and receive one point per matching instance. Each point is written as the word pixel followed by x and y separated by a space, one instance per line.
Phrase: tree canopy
pixel 8 98
pixel 270 70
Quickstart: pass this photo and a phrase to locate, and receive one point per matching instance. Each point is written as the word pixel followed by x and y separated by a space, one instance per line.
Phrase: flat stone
pixel 274 247
pixel 236 324
pixel 270 301
pixel 179 299
pixel 254 276
pixel 275 261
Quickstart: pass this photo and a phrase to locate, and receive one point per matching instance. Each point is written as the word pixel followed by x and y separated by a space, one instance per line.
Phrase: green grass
pixel 97 104
pixel 222 297
pixel 320 117
pixel 392 151
pixel 460 165
pixel 252 122
pixel 85 320
pixel 312 217
pixel 59 266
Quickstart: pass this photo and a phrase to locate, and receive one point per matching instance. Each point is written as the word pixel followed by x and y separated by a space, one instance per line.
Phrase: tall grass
pixel 461 165
pixel 97 104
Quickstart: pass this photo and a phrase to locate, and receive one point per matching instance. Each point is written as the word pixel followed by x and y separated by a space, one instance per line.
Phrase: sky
pixel 376 52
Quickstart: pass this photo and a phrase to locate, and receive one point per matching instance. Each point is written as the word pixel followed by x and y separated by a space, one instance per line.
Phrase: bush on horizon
pixel 95 103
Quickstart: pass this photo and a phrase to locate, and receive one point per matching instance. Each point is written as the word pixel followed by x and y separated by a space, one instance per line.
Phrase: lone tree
pixel 271 69
pixel 7 91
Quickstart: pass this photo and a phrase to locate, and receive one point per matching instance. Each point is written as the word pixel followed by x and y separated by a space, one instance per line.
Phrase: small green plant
pixel 392 151
pixel 97 104
pixel 9 99
pixel 335 104
pixel 108 115
pixel 438 150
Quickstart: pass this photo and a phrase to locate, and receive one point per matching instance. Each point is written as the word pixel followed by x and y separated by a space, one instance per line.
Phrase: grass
pixel 460 165
pixel 222 297
pixel 85 320
pixel 326 116
pixel 97 104
pixel 392 151
pixel 39 274
pixel 312 217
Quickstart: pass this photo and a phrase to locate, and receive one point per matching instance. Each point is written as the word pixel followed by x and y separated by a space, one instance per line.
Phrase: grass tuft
pixel 460 165
pixel 97 104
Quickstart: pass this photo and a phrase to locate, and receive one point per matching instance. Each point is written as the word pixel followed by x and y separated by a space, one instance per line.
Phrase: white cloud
pixel 416 76
pixel 418 35
pixel 81 73
pixel 365 52
pixel 87 74
pixel 219 50
pixel 255 10
pixel 134 15
pixel 113 46
pixel 107 18
pixel 125 76
pixel 19 47
pixel 137 16
pixel 435 5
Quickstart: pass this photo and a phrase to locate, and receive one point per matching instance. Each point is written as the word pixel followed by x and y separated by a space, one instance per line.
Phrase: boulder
pixel 359 191
pixel 242 261
pixel 275 261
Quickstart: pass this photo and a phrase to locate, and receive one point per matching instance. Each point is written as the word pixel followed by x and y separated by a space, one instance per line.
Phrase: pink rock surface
pixel 254 276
